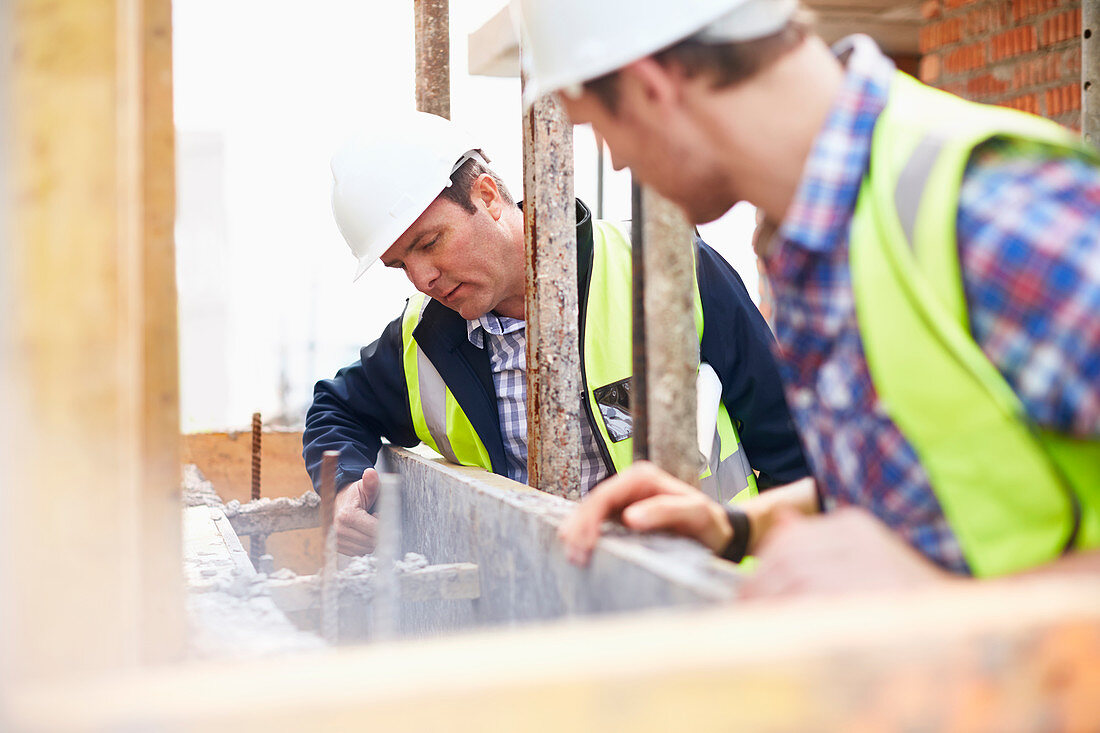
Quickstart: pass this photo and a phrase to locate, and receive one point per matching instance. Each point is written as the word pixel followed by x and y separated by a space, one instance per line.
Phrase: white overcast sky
pixel 280 84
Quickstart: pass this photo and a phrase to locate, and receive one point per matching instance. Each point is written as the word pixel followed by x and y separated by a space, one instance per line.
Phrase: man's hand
pixel 648 499
pixel 356 529
pixel 845 550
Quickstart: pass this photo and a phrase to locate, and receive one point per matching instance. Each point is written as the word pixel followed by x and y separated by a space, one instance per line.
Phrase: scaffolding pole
pixel 433 56
pixel 553 335
pixel 671 339
pixel 1090 71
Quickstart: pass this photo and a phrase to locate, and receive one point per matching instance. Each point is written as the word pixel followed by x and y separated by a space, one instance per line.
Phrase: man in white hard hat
pixel 935 286
pixel 417 194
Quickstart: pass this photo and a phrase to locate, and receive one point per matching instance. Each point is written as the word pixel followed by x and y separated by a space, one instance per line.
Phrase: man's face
pixel 468 262
pixel 660 147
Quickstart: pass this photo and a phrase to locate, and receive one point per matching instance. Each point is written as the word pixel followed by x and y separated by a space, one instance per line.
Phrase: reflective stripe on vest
pixel 607 361
pixel 1015 496
pixel 437 418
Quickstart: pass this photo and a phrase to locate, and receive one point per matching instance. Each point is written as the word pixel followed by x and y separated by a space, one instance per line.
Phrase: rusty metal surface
pixel 433 50
pixel 257 543
pixel 639 391
pixel 553 334
pixel 672 342
pixel 1090 71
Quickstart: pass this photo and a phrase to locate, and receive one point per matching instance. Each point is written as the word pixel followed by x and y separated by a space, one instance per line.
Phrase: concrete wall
pixel 455 514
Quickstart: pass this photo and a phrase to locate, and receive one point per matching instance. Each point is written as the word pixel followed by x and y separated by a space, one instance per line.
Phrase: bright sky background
pixel 266 299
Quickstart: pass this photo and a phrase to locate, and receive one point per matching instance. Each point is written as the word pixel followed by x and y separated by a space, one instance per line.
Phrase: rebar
pixel 257 543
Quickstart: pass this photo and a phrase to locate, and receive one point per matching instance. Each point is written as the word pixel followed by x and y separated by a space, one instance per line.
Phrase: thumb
pixel 368 488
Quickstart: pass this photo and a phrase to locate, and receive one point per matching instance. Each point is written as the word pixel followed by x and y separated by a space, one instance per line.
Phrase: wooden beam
pixel 92 339
pixel 1021 656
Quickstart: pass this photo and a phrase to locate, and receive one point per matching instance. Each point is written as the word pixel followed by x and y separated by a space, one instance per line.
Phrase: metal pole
pixel 330 591
pixel 639 393
pixel 433 57
pixel 672 341
pixel 551 306
pixel 1090 71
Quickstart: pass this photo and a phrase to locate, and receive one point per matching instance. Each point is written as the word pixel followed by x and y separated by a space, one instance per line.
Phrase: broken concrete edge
pixel 281 514
pixel 263 516
pixel 230 613
pixel 674 559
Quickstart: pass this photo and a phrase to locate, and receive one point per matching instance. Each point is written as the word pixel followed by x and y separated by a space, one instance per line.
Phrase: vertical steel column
pixel 639 390
pixel 672 342
pixel 433 56
pixel 553 335
pixel 1090 71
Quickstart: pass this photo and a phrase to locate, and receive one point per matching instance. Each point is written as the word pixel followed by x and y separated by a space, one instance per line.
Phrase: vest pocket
pixel 614 403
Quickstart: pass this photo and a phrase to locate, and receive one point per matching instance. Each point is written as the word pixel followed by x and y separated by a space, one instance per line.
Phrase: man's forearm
pixel 1084 562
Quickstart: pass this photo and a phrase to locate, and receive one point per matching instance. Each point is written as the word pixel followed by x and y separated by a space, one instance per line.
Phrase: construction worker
pixel 935 280
pixel 417 194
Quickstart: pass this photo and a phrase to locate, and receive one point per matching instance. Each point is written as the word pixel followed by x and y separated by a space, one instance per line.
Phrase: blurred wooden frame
pixel 91 592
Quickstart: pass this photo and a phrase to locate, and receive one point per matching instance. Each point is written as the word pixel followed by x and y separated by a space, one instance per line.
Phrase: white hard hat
pixel 569 42
pixel 385 177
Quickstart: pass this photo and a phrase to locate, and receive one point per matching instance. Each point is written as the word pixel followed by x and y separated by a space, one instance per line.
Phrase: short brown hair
pixel 462 181
pixel 725 63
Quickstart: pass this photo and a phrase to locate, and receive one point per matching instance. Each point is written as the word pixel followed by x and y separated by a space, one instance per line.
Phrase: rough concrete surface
pixel 230 613
pixel 456 514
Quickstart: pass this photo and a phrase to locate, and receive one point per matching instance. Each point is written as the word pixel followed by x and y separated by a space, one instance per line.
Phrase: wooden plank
pixel 92 339
pixel 1020 656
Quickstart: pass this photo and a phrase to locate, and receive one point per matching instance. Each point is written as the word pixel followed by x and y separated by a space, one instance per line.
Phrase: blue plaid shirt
pixel 1029 244
pixel 507 344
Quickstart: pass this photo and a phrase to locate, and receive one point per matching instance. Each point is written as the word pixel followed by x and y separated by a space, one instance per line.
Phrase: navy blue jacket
pixel 367 401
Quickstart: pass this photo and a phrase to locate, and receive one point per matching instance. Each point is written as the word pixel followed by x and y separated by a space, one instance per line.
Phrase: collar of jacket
pixel 441 335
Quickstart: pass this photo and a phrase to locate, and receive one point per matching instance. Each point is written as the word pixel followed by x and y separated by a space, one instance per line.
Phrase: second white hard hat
pixel 385 177
pixel 569 42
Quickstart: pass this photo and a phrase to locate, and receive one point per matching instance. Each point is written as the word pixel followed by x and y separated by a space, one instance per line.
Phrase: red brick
pixel 930 9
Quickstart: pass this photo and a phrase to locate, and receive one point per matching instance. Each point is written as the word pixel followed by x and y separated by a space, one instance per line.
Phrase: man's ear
pixel 645 83
pixel 486 192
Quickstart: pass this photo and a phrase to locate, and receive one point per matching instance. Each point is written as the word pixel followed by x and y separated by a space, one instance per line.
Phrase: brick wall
pixel 1018 53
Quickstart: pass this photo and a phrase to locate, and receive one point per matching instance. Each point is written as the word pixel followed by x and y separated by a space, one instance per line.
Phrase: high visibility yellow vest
pixel 606 369
pixel 1015 495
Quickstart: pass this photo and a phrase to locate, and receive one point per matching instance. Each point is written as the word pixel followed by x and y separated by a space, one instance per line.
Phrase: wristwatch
pixel 739 543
